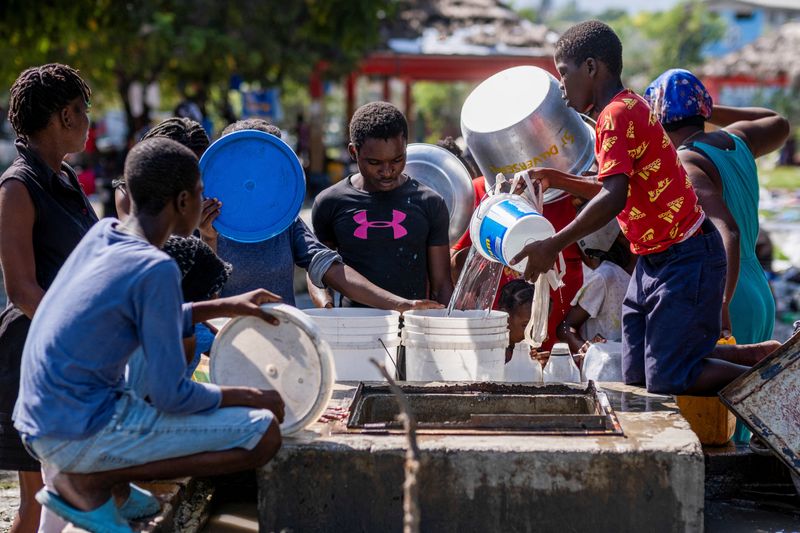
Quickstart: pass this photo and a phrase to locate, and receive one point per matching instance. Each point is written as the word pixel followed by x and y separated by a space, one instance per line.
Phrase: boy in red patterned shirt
pixel 671 317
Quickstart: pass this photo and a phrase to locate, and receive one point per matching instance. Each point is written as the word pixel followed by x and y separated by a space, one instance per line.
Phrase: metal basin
pixel 442 171
pixel 477 408
pixel 516 120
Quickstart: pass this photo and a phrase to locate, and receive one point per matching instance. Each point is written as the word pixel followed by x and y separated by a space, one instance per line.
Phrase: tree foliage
pixel 656 41
pixel 177 42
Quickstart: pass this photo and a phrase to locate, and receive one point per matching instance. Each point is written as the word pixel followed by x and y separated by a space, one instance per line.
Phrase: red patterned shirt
pixel 662 207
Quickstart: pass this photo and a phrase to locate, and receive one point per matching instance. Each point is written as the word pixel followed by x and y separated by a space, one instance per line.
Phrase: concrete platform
pixel 652 479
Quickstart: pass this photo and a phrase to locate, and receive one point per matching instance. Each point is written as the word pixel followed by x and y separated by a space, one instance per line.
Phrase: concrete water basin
pixel 475 408
pixel 648 478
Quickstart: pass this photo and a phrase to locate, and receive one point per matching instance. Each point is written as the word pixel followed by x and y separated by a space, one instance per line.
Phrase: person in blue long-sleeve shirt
pixel 118 292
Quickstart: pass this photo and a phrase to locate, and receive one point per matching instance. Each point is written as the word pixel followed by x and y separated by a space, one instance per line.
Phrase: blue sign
pixel 262 103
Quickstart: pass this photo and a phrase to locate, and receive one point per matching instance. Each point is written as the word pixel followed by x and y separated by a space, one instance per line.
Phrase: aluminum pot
pixel 442 171
pixel 517 119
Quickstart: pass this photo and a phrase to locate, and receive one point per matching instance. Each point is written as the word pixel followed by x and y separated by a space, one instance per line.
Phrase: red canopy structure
pixel 449 41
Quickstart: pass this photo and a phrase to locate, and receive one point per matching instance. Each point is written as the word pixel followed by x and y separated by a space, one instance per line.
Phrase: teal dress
pixel 752 308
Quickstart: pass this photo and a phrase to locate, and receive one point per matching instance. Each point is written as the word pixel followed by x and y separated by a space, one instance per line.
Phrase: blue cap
pixel 259 181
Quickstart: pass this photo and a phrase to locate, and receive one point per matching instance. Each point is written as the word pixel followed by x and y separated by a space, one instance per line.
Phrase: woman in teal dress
pixel 721 167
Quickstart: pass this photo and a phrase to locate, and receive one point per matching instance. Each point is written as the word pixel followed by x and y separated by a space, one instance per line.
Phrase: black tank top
pixel 63 215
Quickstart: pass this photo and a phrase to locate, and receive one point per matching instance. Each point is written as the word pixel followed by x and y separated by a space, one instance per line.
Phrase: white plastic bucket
pixel 355 336
pixel 503 224
pixel 353 317
pixel 342 337
pixel 456 331
pixel 451 361
pixel 464 336
pixel 353 360
pixel 431 319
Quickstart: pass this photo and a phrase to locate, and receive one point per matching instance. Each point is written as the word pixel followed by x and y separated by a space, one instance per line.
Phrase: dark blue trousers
pixel 672 313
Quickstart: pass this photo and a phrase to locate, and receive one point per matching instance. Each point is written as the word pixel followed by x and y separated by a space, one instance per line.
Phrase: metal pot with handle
pixel 517 120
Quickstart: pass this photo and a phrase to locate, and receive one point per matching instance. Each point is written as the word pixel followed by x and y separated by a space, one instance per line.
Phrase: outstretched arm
pixel 322 297
pixel 543 254
pixel 762 129
pixel 582 186
pixel 358 288
pixel 569 330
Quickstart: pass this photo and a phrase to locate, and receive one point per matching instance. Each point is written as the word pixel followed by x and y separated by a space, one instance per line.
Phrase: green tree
pixel 179 42
pixel 655 42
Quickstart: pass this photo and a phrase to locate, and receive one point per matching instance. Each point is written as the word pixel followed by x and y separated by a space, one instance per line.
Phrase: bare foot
pixel 763 349
pixel 121 492
pixel 83 491
pixel 745 354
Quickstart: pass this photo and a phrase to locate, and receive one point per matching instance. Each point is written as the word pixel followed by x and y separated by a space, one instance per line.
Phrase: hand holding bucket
pixel 504 223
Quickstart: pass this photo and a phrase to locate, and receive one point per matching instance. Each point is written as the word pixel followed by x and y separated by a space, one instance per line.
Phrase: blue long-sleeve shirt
pixel 270 264
pixel 115 293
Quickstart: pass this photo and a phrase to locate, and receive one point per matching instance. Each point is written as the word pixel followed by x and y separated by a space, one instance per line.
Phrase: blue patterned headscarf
pixel 678 94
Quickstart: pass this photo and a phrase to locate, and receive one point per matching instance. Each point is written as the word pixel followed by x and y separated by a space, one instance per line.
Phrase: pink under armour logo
pixel 364 224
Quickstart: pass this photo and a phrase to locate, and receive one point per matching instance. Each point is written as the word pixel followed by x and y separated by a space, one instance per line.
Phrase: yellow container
pixel 711 421
pixel 709 418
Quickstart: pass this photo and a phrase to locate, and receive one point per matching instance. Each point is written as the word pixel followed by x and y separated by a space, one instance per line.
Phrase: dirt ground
pixel 9 499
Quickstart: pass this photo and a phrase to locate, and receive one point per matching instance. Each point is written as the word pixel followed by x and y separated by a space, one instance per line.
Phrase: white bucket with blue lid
pixel 504 224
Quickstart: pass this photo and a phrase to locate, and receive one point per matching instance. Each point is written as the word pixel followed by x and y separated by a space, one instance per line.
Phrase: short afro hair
pixel 41 91
pixel 157 170
pixel 183 130
pixel 377 120
pixel 259 124
pixel 591 39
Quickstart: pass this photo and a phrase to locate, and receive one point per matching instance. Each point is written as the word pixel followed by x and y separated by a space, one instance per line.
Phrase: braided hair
pixel 377 120
pixel 183 130
pixel 41 91
pixel 259 124
pixel 157 170
pixel 515 293
pixel 203 274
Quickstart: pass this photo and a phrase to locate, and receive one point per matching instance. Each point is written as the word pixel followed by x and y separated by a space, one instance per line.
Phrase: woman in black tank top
pixel 43 216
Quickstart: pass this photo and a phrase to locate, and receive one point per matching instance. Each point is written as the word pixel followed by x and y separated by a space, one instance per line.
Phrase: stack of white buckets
pixel 357 335
pixel 465 346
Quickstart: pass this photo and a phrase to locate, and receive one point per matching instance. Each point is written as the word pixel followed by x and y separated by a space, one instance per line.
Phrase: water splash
pixel 477 285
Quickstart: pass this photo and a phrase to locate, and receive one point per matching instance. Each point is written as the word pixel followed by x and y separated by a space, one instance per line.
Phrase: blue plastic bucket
pixel 503 224
pixel 259 181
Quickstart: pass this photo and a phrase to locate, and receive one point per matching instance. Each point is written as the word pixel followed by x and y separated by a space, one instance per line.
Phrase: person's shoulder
pixel 626 104
pixel 19 170
pixel 137 255
pixel 155 264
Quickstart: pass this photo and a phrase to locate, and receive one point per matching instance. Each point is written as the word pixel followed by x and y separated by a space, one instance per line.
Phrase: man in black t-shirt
pixel 385 224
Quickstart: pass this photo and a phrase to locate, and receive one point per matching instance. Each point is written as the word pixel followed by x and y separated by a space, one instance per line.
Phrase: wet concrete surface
pixel 727 517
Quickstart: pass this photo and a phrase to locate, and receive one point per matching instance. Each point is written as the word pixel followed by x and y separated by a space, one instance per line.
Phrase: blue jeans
pixel 672 313
pixel 138 433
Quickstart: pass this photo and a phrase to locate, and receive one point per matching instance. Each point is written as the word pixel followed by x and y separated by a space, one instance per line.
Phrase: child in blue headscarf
pixel 721 167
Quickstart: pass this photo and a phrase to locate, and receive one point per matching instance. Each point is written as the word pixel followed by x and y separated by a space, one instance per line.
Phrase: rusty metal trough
pixel 480 408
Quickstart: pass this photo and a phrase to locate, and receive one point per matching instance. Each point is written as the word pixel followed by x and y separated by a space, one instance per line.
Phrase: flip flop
pixel 104 519
pixel 140 503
